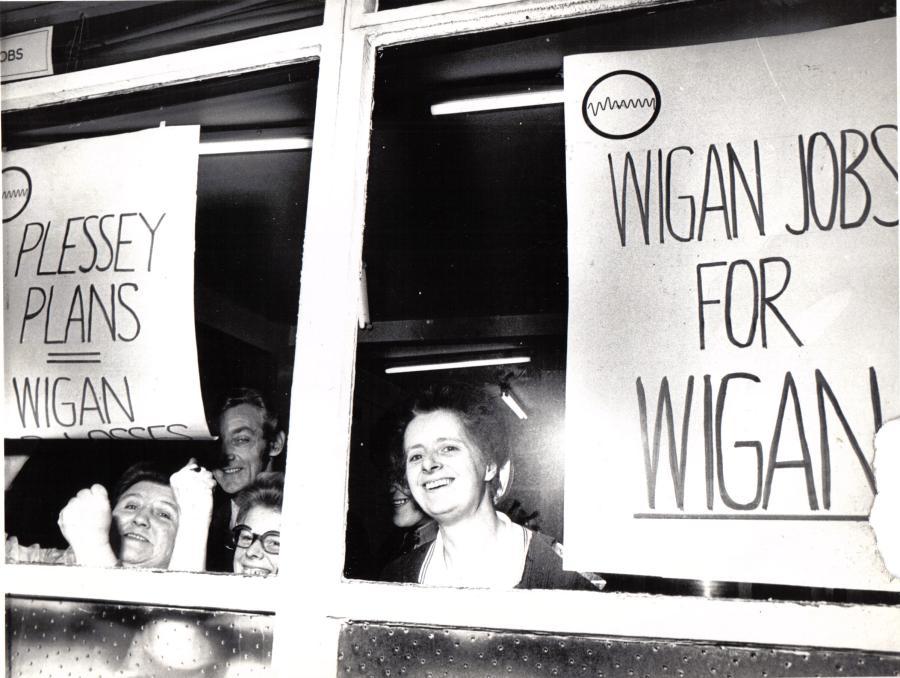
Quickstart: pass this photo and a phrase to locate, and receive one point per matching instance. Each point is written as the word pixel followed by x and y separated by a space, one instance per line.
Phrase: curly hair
pixel 476 409
pixel 266 491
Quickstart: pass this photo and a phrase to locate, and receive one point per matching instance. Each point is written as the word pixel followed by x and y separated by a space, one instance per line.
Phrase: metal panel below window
pixel 71 638
pixel 374 649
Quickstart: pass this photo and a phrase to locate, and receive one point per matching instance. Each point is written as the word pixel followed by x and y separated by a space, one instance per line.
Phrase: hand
pixel 193 488
pixel 85 522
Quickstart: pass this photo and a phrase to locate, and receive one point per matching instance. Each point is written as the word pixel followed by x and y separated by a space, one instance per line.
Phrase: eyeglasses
pixel 243 537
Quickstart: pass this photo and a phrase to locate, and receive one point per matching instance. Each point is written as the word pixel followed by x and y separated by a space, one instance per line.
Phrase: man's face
pixel 243 447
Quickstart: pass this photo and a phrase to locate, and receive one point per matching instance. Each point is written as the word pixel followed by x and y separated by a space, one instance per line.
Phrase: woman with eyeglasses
pixel 256 536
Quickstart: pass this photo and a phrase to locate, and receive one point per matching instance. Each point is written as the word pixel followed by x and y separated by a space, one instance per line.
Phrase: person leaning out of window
pixel 256 537
pixel 153 520
pixel 452 441
pixel 251 442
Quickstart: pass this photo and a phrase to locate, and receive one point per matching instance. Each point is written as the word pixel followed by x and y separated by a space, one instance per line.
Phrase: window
pixel 465 251
pixel 249 234
pixel 456 220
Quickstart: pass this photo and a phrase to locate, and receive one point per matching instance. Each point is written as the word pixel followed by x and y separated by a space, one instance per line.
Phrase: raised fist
pixel 84 522
pixel 193 488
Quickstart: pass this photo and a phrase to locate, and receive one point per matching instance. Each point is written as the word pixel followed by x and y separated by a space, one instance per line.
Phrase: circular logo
pixel 621 104
pixel 16 192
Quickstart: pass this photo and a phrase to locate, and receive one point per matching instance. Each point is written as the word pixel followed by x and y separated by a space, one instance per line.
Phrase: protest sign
pixel 98 241
pixel 733 320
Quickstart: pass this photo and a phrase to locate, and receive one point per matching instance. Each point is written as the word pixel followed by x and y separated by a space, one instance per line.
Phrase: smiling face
pixel 445 469
pixel 254 560
pixel 243 447
pixel 146 517
pixel 406 511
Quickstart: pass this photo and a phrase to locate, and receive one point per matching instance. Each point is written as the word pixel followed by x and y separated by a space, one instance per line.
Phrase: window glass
pixel 250 217
pixel 92 34
pixel 59 637
pixel 465 257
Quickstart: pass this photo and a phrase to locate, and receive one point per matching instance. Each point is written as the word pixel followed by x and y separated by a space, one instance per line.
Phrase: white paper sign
pixel 733 320
pixel 98 241
pixel 26 55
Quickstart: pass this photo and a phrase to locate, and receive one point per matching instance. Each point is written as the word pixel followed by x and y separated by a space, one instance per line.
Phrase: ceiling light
pixel 507 397
pixel 255 145
pixel 544 97
pixel 456 364
pixel 364 320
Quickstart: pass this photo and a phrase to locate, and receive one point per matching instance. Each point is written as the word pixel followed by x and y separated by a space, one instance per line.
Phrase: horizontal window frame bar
pixel 234 58
pixel 474 327
pixel 447 18
pixel 142 587
pixel 790 624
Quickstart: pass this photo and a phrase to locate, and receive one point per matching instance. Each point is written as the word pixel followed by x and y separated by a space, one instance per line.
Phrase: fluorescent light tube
pixel 456 365
pixel 364 320
pixel 513 404
pixel 255 145
pixel 499 102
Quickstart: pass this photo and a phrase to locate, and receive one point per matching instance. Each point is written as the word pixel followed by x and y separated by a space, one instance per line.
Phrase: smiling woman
pixel 138 528
pixel 146 518
pixel 451 444
pixel 257 535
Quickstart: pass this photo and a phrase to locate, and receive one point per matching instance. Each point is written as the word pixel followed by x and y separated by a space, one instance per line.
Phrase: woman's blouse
pixel 16 553
pixel 542 568
pixel 501 572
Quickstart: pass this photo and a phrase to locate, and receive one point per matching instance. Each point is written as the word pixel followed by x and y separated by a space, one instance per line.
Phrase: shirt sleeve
pixel 34 554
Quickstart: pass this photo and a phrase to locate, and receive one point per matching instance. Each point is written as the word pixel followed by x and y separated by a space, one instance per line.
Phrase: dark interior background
pixel 251 211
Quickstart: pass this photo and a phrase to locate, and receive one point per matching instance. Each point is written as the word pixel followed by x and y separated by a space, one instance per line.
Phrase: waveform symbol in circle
pixel 16 192
pixel 621 104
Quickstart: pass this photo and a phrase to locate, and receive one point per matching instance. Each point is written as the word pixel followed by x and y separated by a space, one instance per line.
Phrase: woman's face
pixel 445 469
pixel 146 516
pixel 254 559
pixel 406 511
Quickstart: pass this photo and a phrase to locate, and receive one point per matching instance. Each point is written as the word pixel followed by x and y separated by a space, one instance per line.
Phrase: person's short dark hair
pixel 477 410
pixel 153 472
pixel 266 491
pixel 249 396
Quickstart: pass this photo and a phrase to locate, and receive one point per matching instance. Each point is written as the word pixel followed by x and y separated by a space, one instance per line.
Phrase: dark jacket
pixel 543 567
pixel 219 557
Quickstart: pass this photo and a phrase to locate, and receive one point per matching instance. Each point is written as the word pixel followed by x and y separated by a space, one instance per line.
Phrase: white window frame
pixel 310 598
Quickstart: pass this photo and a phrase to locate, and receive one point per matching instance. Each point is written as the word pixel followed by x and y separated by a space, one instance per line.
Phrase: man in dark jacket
pixel 249 437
